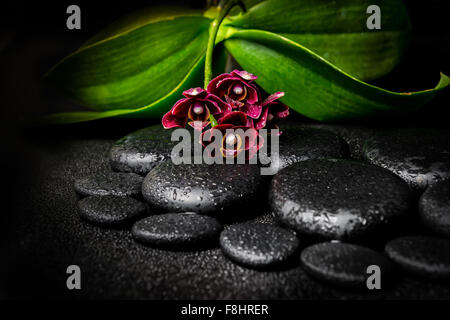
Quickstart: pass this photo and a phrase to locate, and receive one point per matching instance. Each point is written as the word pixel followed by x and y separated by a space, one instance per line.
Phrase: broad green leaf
pixel 138 66
pixel 247 4
pixel 337 31
pixel 314 87
pixel 155 109
pixel 141 18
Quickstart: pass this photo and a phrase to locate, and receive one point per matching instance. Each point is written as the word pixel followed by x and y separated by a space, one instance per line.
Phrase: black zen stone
pixel 420 156
pixel 141 151
pixel 112 263
pixel 354 135
pixel 337 199
pixel 112 183
pixel 202 188
pixel 423 256
pixel 177 230
pixel 258 245
pixel 110 210
pixel 434 208
pixel 345 265
pixel 300 144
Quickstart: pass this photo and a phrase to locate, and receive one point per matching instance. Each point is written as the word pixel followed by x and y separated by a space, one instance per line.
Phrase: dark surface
pixel 419 156
pixel 423 256
pixel 48 236
pixel 109 183
pixel 181 231
pixel 338 199
pixel 258 245
pixel 300 144
pixel 354 135
pixel 110 210
pixel 345 265
pixel 142 150
pixel 434 208
pixel 219 190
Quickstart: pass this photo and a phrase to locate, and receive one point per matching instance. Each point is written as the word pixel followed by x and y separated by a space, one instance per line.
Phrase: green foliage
pixel 317 51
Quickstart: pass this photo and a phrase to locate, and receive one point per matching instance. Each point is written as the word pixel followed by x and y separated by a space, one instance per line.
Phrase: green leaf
pixel 314 87
pixel 212 120
pixel 337 31
pixel 155 109
pixel 130 66
pixel 139 19
pixel 247 4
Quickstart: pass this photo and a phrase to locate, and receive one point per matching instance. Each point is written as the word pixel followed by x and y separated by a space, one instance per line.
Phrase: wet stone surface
pixel 119 267
pixel 142 150
pixel 355 136
pixel 338 199
pixel 300 144
pixel 434 208
pixel 423 256
pixel 109 183
pixel 177 230
pixel 258 245
pixel 110 210
pixel 420 156
pixel 344 264
pixel 202 188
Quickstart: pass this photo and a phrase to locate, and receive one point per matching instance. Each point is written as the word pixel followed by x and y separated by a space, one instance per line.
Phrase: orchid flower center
pixel 198 108
pixel 231 139
pixel 237 92
pixel 231 145
pixel 198 111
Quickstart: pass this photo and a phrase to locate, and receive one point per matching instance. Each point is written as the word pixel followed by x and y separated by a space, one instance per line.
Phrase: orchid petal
pixel 171 121
pixel 273 97
pixel 261 122
pixel 181 107
pixel 236 118
pixel 252 110
pixel 244 75
pixel 195 93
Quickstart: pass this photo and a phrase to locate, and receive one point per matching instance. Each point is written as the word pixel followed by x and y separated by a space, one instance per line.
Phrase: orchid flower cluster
pixel 235 103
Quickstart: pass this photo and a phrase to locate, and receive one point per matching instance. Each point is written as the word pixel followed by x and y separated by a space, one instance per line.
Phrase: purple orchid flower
pixel 272 111
pixel 233 144
pixel 237 90
pixel 196 107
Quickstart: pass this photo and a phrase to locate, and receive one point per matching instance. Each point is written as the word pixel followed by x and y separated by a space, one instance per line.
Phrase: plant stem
pixel 224 9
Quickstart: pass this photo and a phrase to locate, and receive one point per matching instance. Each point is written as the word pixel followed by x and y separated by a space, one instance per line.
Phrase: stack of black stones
pixel 341 201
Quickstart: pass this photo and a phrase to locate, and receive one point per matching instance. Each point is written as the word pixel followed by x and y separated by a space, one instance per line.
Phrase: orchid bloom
pixel 195 110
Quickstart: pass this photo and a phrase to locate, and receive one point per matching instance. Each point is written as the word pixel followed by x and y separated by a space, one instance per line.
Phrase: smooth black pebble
pixel 258 245
pixel 300 144
pixel 434 208
pixel 177 230
pixel 111 183
pixel 338 199
pixel 141 151
pixel 203 188
pixel 110 210
pixel 354 135
pixel 345 265
pixel 420 156
pixel 423 256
